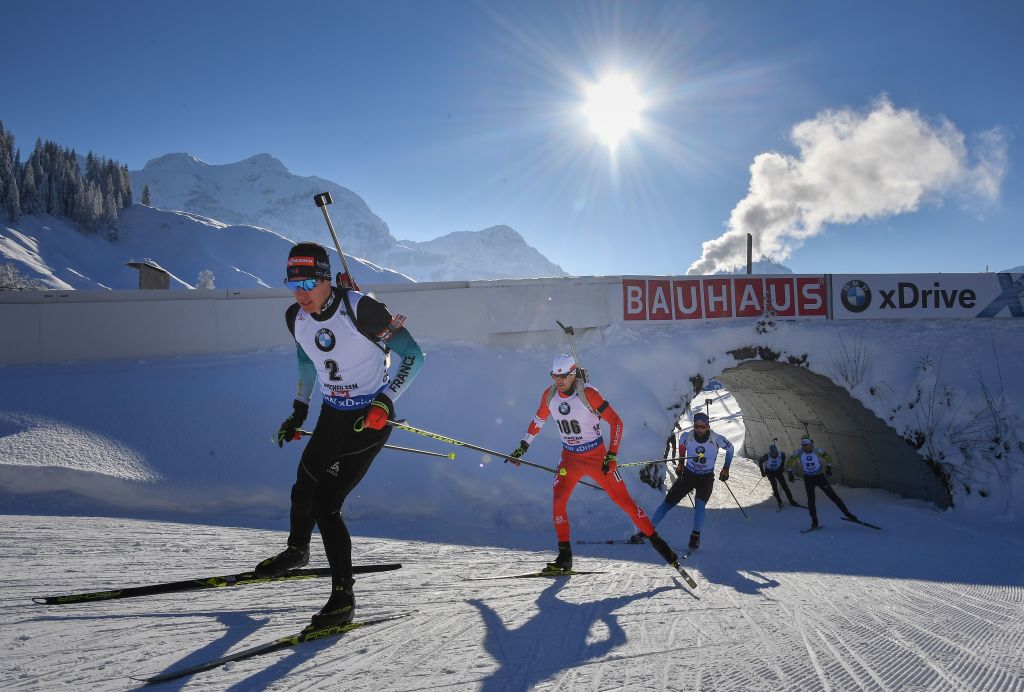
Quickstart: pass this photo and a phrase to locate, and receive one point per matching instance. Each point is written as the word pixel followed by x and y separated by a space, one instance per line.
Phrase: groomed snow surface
pixel 130 473
pixel 917 606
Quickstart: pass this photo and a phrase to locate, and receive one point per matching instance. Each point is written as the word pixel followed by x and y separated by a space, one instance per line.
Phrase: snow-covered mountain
pixel 497 252
pixel 261 191
pixel 54 253
pixel 761 266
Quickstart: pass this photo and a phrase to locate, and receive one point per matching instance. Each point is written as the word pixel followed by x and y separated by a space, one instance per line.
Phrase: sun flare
pixel 613 108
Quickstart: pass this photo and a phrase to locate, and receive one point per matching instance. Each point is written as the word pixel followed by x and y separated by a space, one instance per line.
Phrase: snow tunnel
pixel 782 400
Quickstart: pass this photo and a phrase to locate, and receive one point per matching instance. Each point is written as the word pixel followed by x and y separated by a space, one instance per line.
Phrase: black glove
pixel 763 472
pixel 606 464
pixel 828 469
pixel 792 478
pixel 518 452
pixel 723 475
pixel 290 428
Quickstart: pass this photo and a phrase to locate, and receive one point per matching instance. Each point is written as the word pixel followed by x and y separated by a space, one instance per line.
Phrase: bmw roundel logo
pixel 563 408
pixel 856 296
pixel 325 339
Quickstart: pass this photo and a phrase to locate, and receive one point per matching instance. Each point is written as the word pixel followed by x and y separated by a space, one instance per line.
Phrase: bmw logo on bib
pixel 325 339
pixel 563 408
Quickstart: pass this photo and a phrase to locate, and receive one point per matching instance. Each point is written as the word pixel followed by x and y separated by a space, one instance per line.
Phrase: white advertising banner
pixel 895 296
pixel 667 299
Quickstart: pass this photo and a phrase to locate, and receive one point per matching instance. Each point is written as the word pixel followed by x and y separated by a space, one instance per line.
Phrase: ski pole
pixel 569 333
pixel 651 461
pixel 449 455
pixel 401 425
pixel 775 441
pixel 734 498
pixel 322 200
pixel 755 486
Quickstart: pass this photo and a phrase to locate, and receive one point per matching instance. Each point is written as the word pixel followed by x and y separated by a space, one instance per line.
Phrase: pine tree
pixel 31 202
pixel 146 199
pixel 10 169
pixel 205 279
pixel 11 279
pixel 126 187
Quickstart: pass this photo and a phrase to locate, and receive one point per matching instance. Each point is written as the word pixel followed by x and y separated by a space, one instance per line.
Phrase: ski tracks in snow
pixel 631 628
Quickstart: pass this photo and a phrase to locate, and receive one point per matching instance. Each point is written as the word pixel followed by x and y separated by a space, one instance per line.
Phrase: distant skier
pixel 696 472
pixel 811 458
pixel 342 338
pixel 771 465
pixel 578 409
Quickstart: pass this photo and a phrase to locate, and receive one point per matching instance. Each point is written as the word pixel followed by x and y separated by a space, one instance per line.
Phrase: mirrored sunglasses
pixel 303 285
pixel 560 377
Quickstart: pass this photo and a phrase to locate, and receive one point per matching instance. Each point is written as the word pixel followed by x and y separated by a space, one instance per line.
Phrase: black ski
pixel 310 634
pixel 612 541
pixel 813 528
pixel 204 583
pixel 529 575
pixel 862 523
pixel 684 574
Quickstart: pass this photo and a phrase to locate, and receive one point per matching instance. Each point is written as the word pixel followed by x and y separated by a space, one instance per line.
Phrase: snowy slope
pixel 843 608
pixel 184 244
pixel 494 253
pixel 261 191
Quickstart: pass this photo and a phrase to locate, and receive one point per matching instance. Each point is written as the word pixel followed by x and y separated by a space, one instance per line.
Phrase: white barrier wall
pixel 55 326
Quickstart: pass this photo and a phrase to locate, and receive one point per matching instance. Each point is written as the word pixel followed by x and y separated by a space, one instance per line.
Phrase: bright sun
pixel 613 108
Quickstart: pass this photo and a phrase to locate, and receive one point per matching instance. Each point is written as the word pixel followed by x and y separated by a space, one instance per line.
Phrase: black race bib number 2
pixel 331 366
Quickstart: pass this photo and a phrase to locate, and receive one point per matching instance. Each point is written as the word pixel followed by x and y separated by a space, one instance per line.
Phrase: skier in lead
pixel 810 462
pixel 578 410
pixel 700 450
pixel 342 339
pixel 771 465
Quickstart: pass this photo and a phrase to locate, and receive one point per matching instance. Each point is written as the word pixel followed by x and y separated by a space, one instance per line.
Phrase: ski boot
pixel 664 549
pixel 340 607
pixel 638 537
pixel 290 558
pixel 694 540
pixel 562 563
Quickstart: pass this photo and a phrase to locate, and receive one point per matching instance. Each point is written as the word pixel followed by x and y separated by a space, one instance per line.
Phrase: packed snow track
pixel 920 605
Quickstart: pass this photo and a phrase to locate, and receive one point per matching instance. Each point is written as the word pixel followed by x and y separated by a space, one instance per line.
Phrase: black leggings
pixel 334 461
pixel 686 482
pixel 778 478
pixel 819 481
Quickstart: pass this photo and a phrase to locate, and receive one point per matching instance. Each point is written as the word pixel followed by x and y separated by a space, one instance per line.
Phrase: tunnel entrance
pixel 782 400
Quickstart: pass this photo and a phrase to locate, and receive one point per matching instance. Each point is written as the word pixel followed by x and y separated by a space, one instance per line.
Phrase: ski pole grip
pixel 323 199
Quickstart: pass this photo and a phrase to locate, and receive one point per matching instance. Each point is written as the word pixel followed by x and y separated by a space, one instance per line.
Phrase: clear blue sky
pixel 453 115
